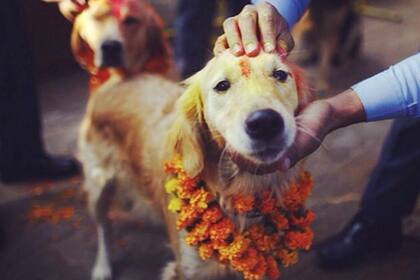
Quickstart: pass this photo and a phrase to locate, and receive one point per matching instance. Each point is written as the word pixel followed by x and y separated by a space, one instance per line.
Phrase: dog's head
pixel 124 34
pixel 245 105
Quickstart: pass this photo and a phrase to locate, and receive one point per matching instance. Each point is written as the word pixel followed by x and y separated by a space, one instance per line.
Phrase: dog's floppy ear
pixel 81 51
pixel 185 137
pixel 159 52
pixel 305 94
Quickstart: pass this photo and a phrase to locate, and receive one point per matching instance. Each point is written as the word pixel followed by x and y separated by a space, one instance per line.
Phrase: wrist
pixel 346 109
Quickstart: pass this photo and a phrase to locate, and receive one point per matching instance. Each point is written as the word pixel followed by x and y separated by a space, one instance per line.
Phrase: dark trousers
pixel 392 190
pixel 194 27
pixel 20 136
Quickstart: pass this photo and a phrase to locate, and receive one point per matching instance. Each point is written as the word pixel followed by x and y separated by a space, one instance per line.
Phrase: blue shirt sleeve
pixel 291 10
pixel 393 93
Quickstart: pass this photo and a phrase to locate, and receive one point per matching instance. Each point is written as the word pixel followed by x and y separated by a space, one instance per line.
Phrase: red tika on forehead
pixel 245 67
pixel 121 7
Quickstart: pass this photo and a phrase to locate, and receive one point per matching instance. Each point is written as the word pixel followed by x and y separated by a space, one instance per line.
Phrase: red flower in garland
pixel 243 203
pixel 267 202
pixel 299 240
pixel 273 271
pixel 303 221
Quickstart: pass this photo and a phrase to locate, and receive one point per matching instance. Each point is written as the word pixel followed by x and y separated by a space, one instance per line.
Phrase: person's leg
pixel 390 195
pixel 193 27
pixel 22 154
pixel 391 192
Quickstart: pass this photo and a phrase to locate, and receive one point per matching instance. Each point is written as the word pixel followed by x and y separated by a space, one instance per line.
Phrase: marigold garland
pixel 260 250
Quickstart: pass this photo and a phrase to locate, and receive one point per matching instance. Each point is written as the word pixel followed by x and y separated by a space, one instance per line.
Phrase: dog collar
pixel 282 227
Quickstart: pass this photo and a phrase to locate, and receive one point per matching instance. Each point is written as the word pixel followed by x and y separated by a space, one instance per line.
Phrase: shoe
pixel 360 238
pixel 44 167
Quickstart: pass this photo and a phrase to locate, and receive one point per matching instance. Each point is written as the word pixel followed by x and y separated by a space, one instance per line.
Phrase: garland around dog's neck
pixel 277 228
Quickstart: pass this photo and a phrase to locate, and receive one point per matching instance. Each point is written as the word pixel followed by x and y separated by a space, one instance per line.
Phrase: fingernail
pixel 236 48
pixel 268 47
pixel 285 165
pixel 283 49
pixel 250 47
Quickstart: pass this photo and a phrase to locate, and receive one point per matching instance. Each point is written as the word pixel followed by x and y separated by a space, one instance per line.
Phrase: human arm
pixel 394 93
pixel 271 19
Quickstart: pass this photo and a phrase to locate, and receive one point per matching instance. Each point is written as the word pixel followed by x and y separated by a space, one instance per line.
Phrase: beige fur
pixel 130 131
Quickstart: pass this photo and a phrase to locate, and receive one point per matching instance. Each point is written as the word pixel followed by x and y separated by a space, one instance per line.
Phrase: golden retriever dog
pixel 231 125
pixel 117 39
pixel 330 34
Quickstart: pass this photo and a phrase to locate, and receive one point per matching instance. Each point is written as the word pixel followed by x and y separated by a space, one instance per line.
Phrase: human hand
pixel 69 8
pixel 320 118
pixel 256 26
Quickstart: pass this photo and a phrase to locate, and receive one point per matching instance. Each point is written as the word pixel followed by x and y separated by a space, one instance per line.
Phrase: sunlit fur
pixel 130 131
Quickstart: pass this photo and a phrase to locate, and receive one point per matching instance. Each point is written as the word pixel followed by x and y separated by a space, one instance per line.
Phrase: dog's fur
pixel 330 34
pixel 131 25
pixel 129 132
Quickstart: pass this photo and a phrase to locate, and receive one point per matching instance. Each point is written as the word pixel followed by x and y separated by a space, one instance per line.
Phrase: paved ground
pixel 47 234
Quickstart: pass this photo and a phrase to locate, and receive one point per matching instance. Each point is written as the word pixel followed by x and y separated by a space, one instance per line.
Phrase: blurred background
pixel 45 232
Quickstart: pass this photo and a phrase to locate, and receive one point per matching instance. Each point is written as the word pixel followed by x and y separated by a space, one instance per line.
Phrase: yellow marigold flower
pixel 243 203
pixel 171 186
pixel 187 216
pixel 205 251
pixel 174 204
pixel 287 257
pixel 199 233
pixel 200 198
pixel 236 249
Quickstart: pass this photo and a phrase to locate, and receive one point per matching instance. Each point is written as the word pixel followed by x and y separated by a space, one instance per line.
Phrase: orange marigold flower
pixel 199 233
pixel 273 271
pixel 299 240
pixel 267 242
pixel 243 203
pixel 256 231
pixel 291 198
pixel 259 270
pixel 247 262
pixel 235 249
pixel 187 216
pixel 200 198
pixel 287 257
pixel 205 251
pixel 221 230
pixel 213 214
pixel 279 221
pixel 305 220
pixel 267 202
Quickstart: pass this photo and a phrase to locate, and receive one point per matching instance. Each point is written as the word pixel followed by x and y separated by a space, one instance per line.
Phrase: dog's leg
pixel 100 193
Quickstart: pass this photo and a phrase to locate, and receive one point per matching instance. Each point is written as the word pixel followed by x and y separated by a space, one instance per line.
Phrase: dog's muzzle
pixel 112 51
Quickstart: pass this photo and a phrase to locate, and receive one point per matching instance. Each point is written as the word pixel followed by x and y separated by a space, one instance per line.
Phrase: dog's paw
pixel 101 272
pixel 169 272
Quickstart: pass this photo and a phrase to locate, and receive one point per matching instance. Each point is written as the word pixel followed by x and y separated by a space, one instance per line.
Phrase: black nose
pixel 264 124
pixel 111 47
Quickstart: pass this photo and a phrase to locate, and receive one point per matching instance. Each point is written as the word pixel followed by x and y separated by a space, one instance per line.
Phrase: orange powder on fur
pixel 245 67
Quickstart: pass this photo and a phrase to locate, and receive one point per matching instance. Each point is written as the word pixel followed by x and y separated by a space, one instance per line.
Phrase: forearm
pixel 345 108
pixel 394 93
pixel 291 10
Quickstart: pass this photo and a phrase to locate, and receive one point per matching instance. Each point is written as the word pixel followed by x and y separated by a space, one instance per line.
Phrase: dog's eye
pixel 130 21
pixel 222 86
pixel 280 75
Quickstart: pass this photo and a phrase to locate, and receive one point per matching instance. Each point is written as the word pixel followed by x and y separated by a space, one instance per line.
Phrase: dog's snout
pixel 264 124
pixel 111 47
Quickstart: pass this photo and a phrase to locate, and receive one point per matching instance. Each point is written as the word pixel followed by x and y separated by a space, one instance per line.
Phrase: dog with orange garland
pixel 229 128
pixel 117 39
